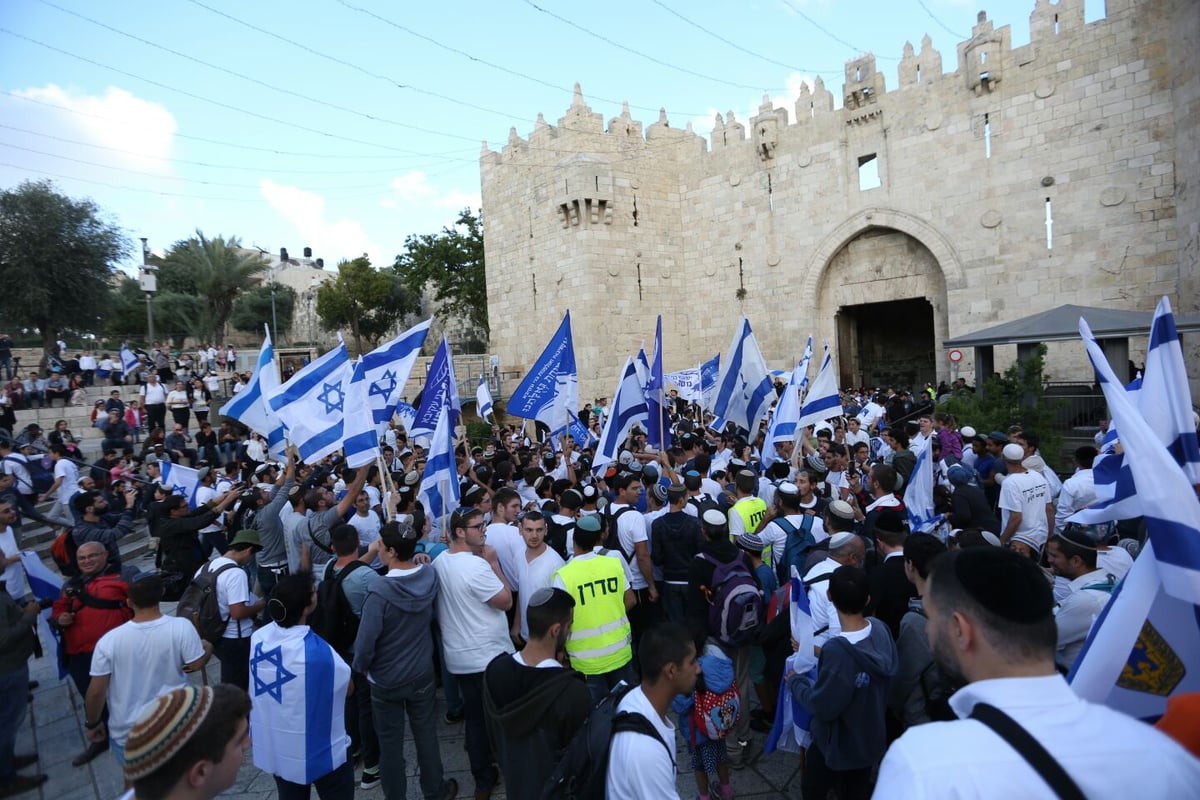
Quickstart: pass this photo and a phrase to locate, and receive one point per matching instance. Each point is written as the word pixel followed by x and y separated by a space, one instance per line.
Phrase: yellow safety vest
pixel 751 510
pixel 600 637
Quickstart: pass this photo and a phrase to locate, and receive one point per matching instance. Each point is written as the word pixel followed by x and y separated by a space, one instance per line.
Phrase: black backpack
pixel 40 478
pixel 582 770
pixel 612 539
pixel 199 604
pixel 556 536
pixel 935 689
pixel 334 620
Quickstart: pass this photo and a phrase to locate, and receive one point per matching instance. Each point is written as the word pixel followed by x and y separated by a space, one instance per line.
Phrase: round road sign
pixel 955 356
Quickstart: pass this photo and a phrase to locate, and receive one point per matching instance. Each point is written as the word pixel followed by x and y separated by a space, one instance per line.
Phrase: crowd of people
pixel 646 602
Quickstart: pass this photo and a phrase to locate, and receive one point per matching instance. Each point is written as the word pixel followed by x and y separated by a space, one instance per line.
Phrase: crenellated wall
pixel 622 221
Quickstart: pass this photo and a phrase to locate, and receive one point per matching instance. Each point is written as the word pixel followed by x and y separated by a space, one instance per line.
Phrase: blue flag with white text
pixel 549 392
pixel 441 389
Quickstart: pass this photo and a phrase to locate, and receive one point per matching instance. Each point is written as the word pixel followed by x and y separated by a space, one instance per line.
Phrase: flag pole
pixel 386 479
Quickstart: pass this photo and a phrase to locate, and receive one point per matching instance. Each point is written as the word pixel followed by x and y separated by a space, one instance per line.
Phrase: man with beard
pixel 991 628
pixel 534 705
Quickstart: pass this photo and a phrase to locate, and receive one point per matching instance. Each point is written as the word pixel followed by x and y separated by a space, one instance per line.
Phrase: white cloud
pixel 116 119
pixel 305 210
pixel 415 190
pixel 703 125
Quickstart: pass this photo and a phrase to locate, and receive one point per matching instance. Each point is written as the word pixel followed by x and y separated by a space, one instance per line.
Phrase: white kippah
pixel 841 539
pixel 787 487
pixel 714 517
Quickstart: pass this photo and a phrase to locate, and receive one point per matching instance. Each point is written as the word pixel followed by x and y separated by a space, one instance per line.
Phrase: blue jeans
pixel 118 752
pixel 14 702
pixel 600 685
pixel 337 785
pixel 388 706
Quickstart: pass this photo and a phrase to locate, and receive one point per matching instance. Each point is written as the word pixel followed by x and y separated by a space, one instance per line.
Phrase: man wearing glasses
pixel 473 597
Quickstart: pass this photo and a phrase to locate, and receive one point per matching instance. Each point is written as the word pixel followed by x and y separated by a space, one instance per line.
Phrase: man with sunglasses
pixel 473 597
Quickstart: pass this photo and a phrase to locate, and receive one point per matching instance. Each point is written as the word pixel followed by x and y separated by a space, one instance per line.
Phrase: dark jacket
pixel 395 635
pixel 675 539
pixel 179 542
pixel 531 714
pixel 107 535
pixel 969 508
pixel 700 574
pixel 17 635
pixel 849 698
pixel 890 593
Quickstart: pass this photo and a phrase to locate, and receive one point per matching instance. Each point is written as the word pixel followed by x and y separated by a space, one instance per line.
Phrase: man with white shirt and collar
pixel 845 549
pixel 786 519
pixel 1078 491
pixel 1072 555
pixel 991 627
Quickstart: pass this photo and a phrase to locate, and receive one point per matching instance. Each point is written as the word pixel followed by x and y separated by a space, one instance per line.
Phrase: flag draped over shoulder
pixel 658 420
pixel 386 370
pixel 744 390
pixel 823 400
pixel 181 480
pixel 439 484
pixel 628 408
pixel 918 495
pixel 250 406
pixel 298 688
pixel 1145 646
pixel 792 722
pixel 483 398
pixel 549 392
pixel 312 405
pixel 441 390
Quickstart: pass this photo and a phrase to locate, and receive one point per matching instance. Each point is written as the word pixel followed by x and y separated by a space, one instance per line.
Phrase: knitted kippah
pixel 163 727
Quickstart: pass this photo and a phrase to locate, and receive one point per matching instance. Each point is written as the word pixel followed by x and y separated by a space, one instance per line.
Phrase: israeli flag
pixel 790 731
pixel 129 361
pixel 406 414
pixel 386 370
pixel 181 480
pixel 46 586
pixel 441 389
pixel 709 372
pixel 312 405
pixel 823 400
pixel 804 362
pixel 250 407
pixel 298 686
pixel 642 365
pixel 1145 646
pixel 483 398
pixel 918 495
pixel 787 412
pixel 744 389
pixel 628 408
pixel 360 438
pixel 439 484
pixel 658 420
pixel 549 392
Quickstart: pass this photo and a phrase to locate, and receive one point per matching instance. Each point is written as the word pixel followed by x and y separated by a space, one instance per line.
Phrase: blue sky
pixel 346 125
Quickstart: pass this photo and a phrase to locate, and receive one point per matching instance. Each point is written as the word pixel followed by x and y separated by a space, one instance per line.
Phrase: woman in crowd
pixel 179 404
pixel 201 398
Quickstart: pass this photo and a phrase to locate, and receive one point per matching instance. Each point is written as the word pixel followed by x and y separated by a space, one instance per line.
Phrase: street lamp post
pixel 313 286
pixel 149 284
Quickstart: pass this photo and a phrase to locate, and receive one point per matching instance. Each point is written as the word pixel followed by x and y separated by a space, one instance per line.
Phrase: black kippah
pixel 1006 584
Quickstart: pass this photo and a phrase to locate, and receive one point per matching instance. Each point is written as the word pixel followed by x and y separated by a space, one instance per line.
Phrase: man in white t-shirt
pixel 503 535
pixel 1025 501
pixel 855 435
pixel 871 415
pixel 154 402
pixel 12 574
pixel 535 569
pixel 237 605
pixel 473 597
pixel 66 484
pixel 641 762
pixel 138 661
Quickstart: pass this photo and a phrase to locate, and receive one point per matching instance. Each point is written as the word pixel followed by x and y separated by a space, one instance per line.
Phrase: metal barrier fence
pixel 1079 408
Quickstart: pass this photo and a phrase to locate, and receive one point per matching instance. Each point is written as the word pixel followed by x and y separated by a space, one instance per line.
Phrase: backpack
pixel 612 538
pixel 735 603
pixel 704 503
pixel 63 553
pixel 799 543
pixel 714 715
pixel 334 620
pixel 582 770
pixel 199 604
pixel 556 536
pixel 40 478
pixel 934 688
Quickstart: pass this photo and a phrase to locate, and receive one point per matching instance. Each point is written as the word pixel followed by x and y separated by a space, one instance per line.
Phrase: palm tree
pixel 220 271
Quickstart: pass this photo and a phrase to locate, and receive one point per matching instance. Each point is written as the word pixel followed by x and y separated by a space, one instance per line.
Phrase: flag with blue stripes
pixel 549 392
pixel 181 480
pixel 386 369
pixel 804 362
pixel 441 390
pixel 360 436
pixel 782 427
pixel 312 405
pixel 790 731
pixel 744 391
pixel 483 398
pixel 250 407
pixel 823 400
pixel 298 687
pixel 46 586
pixel 918 495
pixel 710 371
pixel 439 484
pixel 1145 646
pixel 129 361
pixel 628 408
pixel 658 420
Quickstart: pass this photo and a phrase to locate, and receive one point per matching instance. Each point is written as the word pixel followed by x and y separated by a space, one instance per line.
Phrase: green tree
pixel 220 271
pixel 450 265
pixel 57 256
pixel 253 308
pixel 177 315
pixel 365 300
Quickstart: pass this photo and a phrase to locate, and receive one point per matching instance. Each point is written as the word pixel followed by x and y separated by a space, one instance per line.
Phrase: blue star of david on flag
pixel 332 396
pixel 282 676
pixel 384 386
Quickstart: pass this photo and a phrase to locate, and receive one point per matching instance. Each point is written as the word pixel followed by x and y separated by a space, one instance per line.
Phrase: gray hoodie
pixel 395 638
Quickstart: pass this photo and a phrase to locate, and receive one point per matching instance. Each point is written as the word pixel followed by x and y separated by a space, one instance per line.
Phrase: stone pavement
pixel 54 728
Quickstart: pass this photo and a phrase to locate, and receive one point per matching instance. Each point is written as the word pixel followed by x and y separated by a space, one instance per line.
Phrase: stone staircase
pixel 35 536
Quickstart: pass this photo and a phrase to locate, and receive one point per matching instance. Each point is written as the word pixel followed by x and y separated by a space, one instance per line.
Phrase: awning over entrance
pixel 1111 327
